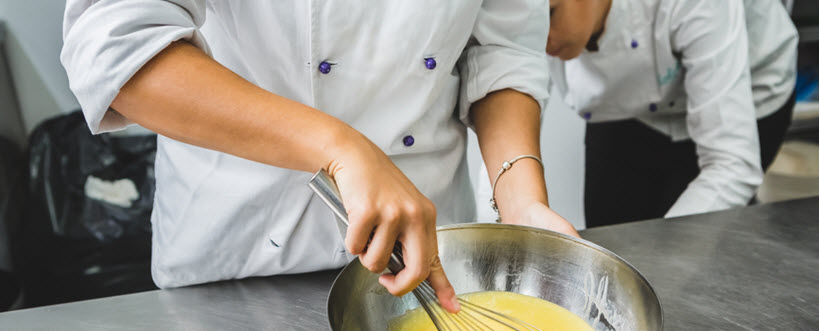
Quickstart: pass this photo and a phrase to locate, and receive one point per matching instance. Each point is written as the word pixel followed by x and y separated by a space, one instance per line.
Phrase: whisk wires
pixel 469 318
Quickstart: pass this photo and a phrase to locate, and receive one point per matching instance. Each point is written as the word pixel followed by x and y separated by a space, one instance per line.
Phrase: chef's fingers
pixel 416 264
pixel 362 224
pixel 443 289
pixel 378 252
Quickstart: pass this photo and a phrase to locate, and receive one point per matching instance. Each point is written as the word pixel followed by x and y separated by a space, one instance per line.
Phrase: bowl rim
pixel 581 241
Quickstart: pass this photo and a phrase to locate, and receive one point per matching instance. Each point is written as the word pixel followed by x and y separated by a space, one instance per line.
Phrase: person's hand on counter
pixel 541 216
pixel 522 201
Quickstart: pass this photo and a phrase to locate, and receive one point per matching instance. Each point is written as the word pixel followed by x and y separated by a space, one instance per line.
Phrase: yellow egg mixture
pixel 537 312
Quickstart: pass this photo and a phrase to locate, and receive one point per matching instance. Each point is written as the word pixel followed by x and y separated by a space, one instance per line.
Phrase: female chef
pixel 685 107
pixel 249 98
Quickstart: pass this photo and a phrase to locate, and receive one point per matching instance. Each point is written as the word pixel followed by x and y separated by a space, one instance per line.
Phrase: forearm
pixel 717 188
pixel 507 124
pixel 187 96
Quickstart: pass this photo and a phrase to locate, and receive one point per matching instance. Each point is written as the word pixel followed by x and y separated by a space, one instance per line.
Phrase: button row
pixel 652 108
pixel 325 67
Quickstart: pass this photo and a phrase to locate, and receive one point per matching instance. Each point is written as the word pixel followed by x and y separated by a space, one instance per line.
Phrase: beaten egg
pixel 537 312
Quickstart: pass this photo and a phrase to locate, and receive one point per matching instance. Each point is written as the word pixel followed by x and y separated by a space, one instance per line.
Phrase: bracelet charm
pixel 504 168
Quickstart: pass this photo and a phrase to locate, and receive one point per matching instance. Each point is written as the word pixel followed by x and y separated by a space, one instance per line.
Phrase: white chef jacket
pixel 682 67
pixel 788 5
pixel 394 70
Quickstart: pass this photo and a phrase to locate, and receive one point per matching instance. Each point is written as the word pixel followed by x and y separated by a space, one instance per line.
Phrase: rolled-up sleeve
pixel 107 42
pixel 721 119
pixel 507 51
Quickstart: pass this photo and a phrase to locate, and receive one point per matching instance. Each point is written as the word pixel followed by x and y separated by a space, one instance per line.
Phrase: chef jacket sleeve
pixel 106 42
pixel 507 51
pixel 721 120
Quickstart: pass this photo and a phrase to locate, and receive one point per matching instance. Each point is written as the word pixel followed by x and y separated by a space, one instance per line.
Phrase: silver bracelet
pixel 505 167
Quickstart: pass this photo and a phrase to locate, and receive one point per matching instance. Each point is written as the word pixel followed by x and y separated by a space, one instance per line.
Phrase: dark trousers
pixel 635 173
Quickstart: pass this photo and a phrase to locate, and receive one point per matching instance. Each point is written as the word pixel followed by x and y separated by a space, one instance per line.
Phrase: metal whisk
pixel 471 316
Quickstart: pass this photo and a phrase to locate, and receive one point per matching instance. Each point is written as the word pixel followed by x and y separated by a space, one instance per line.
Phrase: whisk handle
pixel 325 187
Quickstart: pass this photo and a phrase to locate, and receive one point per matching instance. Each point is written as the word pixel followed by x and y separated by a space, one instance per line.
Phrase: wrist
pixel 519 187
pixel 348 146
pixel 514 212
pixel 522 212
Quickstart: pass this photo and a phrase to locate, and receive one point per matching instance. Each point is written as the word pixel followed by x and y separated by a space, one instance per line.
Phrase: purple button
pixel 652 107
pixel 409 141
pixel 634 44
pixel 325 67
pixel 587 116
pixel 430 63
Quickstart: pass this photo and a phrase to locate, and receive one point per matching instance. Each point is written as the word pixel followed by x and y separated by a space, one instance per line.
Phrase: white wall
pixel 34 30
pixel 562 150
pixel 11 125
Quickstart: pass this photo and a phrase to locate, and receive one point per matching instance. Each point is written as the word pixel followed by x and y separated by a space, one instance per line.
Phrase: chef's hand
pixel 539 215
pixel 383 207
pixel 522 199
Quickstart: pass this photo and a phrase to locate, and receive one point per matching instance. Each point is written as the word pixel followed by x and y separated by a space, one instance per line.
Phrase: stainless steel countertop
pixel 754 268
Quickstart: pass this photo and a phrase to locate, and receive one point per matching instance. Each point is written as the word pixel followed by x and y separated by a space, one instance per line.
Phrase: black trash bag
pixel 87 230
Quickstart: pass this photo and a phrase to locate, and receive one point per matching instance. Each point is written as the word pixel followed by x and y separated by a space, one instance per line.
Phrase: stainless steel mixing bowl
pixel 588 280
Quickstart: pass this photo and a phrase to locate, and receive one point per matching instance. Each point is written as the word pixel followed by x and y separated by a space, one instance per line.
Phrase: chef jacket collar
pixel 612 36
